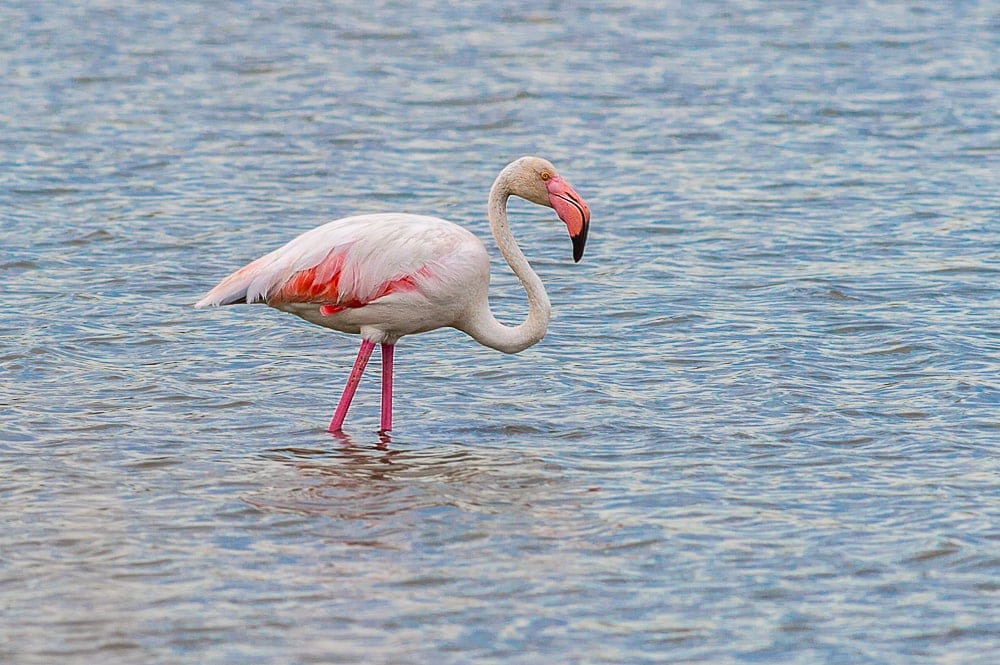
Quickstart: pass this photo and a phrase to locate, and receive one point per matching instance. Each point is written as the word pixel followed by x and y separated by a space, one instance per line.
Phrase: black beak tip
pixel 578 244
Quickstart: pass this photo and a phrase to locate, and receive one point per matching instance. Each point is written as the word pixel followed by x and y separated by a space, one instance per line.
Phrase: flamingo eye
pixel 545 175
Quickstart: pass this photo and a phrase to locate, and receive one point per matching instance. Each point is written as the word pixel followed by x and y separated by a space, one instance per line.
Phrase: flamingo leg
pixel 387 350
pixel 364 353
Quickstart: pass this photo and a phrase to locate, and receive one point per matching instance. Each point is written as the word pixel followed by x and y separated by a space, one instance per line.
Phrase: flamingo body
pixel 384 276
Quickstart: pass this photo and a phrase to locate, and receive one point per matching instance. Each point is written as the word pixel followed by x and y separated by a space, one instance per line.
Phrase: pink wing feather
pixel 344 264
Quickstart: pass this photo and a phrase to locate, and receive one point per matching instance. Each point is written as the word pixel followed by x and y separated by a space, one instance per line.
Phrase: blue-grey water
pixel 764 426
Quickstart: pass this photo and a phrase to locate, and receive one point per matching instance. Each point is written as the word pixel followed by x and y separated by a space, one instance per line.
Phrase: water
pixel 763 426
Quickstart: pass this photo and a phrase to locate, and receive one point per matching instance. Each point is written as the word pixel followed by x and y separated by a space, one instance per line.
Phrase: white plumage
pixel 362 255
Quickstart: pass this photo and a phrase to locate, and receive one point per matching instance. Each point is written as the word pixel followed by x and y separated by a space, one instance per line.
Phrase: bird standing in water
pixel 387 275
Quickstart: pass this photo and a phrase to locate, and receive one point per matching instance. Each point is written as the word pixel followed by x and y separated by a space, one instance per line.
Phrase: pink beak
pixel 572 210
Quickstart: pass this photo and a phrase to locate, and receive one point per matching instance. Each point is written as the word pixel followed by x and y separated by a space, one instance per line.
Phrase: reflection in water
pixel 378 478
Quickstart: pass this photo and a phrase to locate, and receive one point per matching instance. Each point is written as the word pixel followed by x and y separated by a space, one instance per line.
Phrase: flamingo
pixel 387 275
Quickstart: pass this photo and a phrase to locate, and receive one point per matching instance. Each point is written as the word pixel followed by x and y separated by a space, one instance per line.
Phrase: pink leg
pixel 387 350
pixel 364 353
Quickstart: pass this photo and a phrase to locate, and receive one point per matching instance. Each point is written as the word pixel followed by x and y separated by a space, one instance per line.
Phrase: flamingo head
pixel 536 180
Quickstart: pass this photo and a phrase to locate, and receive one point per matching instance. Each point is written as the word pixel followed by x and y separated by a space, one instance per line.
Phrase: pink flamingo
pixel 392 274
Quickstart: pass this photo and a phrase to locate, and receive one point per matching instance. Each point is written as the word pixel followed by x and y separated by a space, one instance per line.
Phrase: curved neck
pixel 485 329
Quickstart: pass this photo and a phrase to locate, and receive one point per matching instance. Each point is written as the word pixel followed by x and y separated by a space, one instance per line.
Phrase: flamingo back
pixel 347 263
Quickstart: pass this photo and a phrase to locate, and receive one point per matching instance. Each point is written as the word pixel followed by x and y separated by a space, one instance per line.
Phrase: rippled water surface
pixel 764 424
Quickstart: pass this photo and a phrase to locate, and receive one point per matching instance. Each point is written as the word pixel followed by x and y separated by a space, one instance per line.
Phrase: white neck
pixel 484 327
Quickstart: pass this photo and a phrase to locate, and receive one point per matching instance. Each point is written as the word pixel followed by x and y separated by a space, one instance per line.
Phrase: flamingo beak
pixel 572 210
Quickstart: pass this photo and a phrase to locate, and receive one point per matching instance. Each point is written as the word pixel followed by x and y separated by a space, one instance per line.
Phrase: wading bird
pixel 387 275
